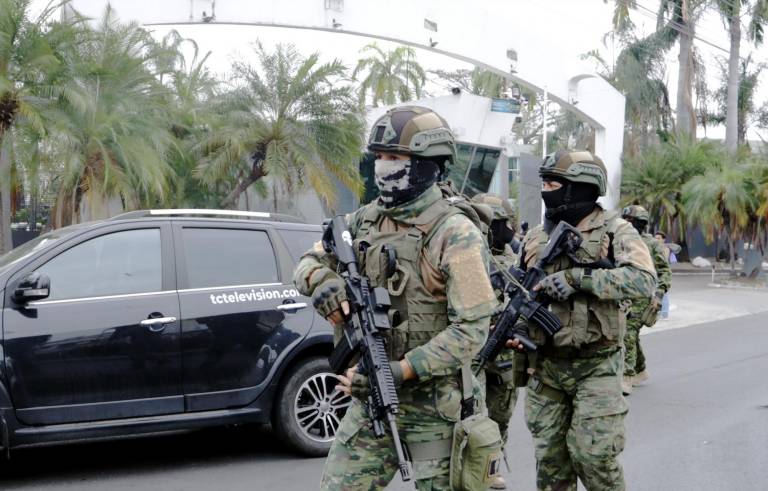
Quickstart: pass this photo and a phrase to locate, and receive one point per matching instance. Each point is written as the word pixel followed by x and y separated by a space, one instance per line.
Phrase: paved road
pixel 700 423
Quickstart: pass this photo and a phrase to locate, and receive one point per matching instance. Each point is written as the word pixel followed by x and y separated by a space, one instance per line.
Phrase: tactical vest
pixel 417 315
pixel 586 319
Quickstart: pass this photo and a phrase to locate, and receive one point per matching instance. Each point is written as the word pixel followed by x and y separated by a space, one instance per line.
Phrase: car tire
pixel 308 408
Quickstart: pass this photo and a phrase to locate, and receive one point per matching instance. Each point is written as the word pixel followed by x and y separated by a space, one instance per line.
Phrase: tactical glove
pixel 360 388
pixel 328 296
pixel 562 284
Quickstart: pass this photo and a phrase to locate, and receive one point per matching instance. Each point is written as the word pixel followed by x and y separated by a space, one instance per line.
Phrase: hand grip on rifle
pixel 524 302
pixel 362 338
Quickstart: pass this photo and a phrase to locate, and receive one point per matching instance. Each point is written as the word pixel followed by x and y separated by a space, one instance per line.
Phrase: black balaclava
pixel 638 224
pixel 401 181
pixel 501 234
pixel 571 203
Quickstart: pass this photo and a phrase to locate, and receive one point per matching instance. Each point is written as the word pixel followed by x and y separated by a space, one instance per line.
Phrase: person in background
pixel 643 312
pixel 672 258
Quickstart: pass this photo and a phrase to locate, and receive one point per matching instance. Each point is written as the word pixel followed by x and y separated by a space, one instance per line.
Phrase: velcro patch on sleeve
pixel 470 284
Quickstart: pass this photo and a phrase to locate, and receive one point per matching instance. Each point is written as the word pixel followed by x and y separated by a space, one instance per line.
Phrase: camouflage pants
pixel 634 359
pixel 500 394
pixel 582 434
pixel 359 460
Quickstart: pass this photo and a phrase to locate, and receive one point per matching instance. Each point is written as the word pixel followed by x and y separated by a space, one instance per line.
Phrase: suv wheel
pixel 309 409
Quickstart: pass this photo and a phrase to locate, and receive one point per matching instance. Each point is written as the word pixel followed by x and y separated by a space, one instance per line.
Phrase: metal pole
pixel 544 124
pixel 469 168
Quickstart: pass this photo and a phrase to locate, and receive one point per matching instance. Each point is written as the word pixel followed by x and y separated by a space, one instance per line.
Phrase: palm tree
pixel 731 11
pixel 391 77
pixel 655 176
pixel 113 124
pixel 476 81
pixel 639 73
pixel 748 80
pixel 192 90
pixel 290 119
pixel 27 62
pixel 722 199
pixel 676 21
pixel 759 176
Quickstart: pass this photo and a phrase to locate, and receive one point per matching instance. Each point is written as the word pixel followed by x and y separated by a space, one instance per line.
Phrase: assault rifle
pixel 564 240
pixel 363 338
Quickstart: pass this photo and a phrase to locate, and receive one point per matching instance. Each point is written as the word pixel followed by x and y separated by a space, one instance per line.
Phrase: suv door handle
pixel 292 306
pixel 157 325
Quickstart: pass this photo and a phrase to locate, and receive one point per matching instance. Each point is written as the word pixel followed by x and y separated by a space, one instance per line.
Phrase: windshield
pixel 28 248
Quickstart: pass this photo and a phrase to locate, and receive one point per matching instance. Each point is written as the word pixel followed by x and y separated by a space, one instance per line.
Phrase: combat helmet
pixel 502 209
pixel 635 212
pixel 579 166
pixel 413 130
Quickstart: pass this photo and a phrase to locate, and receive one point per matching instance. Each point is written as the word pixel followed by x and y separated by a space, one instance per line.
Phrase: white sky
pixel 227 42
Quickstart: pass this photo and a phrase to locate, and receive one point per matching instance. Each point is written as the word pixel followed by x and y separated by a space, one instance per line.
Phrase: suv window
pixel 299 241
pixel 114 264
pixel 228 257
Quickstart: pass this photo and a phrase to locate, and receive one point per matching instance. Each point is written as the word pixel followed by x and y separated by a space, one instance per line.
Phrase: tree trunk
pixel 686 117
pixel 257 172
pixel 274 197
pixel 732 98
pixel 6 241
pixel 732 251
pixel 231 200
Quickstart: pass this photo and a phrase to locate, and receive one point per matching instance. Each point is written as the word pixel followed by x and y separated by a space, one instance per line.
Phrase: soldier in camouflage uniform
pixel 574 407
pixel 643 312
pixel 441 297
pixel 500 391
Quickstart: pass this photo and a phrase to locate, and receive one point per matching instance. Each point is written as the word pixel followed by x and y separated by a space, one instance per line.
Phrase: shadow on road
pixel 147 455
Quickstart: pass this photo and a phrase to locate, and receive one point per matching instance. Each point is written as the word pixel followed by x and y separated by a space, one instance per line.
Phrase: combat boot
pixel 626 385
pixel 640 378
pixel 498 482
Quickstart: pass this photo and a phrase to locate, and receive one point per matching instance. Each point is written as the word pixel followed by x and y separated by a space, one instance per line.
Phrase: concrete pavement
pixel 695 301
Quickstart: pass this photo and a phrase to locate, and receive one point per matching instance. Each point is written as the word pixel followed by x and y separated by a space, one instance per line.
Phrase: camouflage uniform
pixel 443 309
pixel 634 359
pixel 574 406
pixel 500 391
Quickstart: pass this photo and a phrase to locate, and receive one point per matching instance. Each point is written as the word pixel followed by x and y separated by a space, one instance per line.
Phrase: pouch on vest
pixel 520 377
pixel 476 454
pixel 649 315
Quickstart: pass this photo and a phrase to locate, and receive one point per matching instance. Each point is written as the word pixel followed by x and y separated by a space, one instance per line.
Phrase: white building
pixel 482 127
pixel 486 159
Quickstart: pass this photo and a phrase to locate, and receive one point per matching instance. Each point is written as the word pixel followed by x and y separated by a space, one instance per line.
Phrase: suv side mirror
pixel 34 286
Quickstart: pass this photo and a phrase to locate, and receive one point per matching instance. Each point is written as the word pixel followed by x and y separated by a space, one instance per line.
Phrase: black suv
pixel 164 320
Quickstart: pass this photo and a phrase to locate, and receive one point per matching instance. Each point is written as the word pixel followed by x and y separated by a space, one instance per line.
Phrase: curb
pixel 691 272
pixel 737 287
